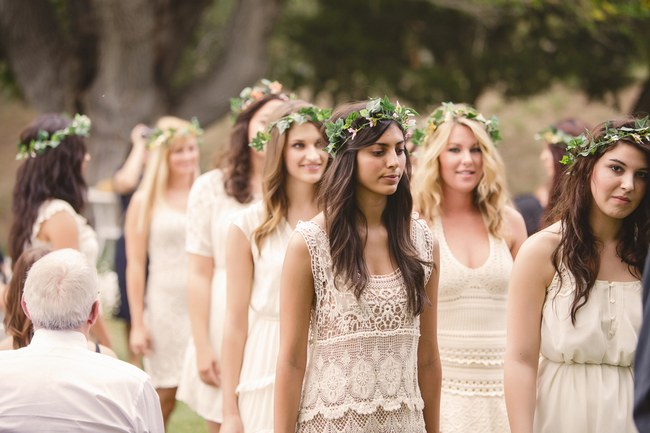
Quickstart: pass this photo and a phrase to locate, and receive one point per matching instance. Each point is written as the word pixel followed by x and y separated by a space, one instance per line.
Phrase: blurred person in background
pixel 49 193
pixel 536 207
pixel 155 250
pixel 214 198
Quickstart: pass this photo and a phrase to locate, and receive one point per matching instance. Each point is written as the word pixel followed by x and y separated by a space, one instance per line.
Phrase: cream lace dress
pixel 209 211
pixel 165 312
pixel 585 377
pixel 472 338
pixel 361 374
pixel 88 244
pixel 257 377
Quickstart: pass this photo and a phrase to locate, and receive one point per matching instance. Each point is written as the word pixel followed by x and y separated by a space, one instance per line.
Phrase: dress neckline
pixel 395 273
pixel 445 245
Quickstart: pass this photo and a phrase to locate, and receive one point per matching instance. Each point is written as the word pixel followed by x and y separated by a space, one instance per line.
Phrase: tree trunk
pixel 123 93
pixel 244 61
pixel 40 59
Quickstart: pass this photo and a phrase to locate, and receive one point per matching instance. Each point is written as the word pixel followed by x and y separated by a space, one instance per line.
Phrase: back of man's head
pixel 60 290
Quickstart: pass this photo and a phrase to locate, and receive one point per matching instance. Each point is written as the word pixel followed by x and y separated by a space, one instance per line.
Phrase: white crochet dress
pixel 472 339
pixel 362 370
pixel 209 211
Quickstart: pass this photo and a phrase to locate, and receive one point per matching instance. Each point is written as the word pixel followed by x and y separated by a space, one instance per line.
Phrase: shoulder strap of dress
pixel 423 240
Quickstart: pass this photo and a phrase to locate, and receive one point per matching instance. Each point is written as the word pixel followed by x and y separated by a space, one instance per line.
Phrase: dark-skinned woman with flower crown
pixel 358 346
pixel 574 308
pixel 215 197
pixel 49 194
pixel 459 189
pixel 154 231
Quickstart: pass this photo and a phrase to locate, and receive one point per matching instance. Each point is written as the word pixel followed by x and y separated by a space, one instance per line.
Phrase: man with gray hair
pixel 56 384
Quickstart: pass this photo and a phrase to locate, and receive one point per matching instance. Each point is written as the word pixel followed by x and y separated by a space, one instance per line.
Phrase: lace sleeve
pixel 199 215
pixel 48 210
pixel 423 240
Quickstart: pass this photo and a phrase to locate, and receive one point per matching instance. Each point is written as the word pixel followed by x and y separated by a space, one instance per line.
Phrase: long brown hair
pixel 238 168
pixel 578 250
pixel 17 325
pixel 342 216
pixel 56 173
pixel 276 202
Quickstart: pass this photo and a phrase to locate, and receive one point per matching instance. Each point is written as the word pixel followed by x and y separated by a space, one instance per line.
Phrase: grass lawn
pixel 183 419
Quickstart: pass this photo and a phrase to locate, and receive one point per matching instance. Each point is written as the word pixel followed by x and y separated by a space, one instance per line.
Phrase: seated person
pixel 55 383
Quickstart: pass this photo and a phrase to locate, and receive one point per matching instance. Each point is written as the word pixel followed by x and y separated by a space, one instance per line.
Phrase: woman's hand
pixel 207 366
pixel 140 341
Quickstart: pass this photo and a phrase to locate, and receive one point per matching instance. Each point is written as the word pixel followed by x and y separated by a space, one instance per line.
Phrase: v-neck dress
pixel 472 338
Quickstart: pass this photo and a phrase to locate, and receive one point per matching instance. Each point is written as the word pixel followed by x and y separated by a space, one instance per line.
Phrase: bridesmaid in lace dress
pixel 155 227
pixel 574 312
pixel 459 188
pixel 256 244
pixel 358 291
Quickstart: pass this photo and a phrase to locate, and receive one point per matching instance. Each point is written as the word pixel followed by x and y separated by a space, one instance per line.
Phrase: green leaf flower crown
pixel 447 112
pixel 303 115
pixel 554 136
pixel 249 95
pixel 80 125
pixel 162 137
pixel 343 130
pixel 585 144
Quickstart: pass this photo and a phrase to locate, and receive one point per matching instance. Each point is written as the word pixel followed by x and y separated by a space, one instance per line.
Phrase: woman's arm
pixel 531 275
pixel 199 286
pixel 296 297
pixel 126 179
pixel 516 227
pixel 136 268
pixel 60 231
pixel 429 367
pixel 239 276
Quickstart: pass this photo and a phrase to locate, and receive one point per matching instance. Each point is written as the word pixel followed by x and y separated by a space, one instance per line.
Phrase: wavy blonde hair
pixel 276 202
pixel 490 195
pixel 156 173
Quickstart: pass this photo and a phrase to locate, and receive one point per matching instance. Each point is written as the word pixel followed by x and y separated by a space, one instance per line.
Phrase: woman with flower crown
pixel 256 244
pixel 215 197
pixel 358 291
pixel 574 311
pixel 459 189
pixel 535 207
pixel 154 230
pixel 49 193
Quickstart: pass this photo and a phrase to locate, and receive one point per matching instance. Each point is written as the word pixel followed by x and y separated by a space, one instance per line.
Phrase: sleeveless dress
pixel 257 377
pixel 165 312
pixel 361 373
pixel 585 376
pixel 472 338
pixel 88 244
pixel 209 211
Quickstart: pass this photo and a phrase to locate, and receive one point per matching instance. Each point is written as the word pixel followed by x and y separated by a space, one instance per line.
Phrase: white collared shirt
pixel 57 385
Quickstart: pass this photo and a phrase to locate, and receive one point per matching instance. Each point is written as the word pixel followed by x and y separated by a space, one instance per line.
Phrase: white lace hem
pixel 338 411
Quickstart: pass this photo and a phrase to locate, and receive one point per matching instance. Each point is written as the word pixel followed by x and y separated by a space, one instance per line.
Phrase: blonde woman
pixel 459 188
pixel 155 227
pixel 256 244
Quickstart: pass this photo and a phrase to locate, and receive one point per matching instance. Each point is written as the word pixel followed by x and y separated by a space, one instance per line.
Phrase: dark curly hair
pixel 578 250
pixel 56 173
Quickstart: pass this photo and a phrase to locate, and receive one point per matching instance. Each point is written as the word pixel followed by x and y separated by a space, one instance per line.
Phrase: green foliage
pixel 428 51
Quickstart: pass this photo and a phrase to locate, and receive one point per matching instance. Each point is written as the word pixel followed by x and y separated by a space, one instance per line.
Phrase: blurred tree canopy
pixel 124 62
